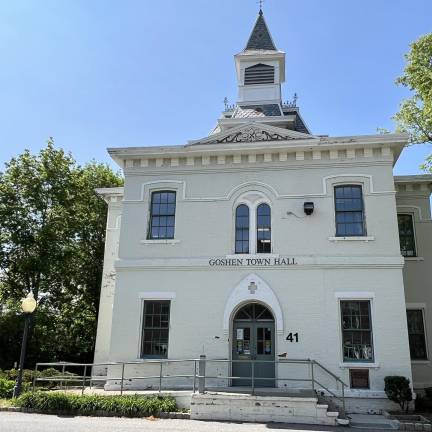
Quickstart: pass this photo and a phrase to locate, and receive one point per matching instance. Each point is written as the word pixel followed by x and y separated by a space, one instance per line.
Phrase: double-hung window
pixel 356 331
pixel 416 334
pixel 162 215
pixel 242 229
pixel 406 235
pixel 263 223
pixel 154 341
pixel 349 211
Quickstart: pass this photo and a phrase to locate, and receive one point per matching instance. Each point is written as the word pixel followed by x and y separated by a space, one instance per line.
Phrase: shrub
pixel 12 374
pixel 128 406
pixel 398 390
pixel 6 388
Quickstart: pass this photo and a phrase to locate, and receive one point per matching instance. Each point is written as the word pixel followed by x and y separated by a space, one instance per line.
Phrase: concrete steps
pixel 259 408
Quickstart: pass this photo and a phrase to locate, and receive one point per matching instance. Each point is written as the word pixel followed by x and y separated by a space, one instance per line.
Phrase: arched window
pixel 242 229
pixel 263 226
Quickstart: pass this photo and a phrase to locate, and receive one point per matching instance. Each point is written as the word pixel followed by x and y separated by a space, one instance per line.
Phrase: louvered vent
pixel 259 74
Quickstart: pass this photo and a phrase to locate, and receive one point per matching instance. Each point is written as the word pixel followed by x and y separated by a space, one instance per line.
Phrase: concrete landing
pixel 258 408
pixel 366 421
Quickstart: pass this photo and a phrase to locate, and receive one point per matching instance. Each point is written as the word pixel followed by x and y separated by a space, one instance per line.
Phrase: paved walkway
pixel 21 422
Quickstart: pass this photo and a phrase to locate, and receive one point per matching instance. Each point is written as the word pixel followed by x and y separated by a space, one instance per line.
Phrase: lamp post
pixel 28 306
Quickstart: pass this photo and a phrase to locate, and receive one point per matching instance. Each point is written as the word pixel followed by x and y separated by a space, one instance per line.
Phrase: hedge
pixel 122 406
pixel 7 386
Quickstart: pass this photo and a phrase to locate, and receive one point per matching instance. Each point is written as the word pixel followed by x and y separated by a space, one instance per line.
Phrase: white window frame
pixel 416 256
pixel 253 206
pixel 152 295
pixel 356 296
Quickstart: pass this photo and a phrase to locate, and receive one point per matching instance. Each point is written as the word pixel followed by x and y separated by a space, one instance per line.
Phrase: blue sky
pixel 102 73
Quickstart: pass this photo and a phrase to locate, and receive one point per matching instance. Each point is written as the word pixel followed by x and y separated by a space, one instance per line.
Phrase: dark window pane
pixel 349 211
pixel 356 331
pixel 406 235
pixel 416 334
pixel 263 229
pixel 155 329
pixel 242 229
pixel 162 215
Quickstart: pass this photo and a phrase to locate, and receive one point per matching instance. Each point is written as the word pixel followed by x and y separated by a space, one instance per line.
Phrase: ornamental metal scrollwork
pixel 250 135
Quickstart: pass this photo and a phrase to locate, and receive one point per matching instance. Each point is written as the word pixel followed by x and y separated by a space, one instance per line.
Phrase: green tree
pixel 52 235
pixel 415 113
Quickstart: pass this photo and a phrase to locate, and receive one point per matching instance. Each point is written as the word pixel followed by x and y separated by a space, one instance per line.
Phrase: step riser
pixel 260 409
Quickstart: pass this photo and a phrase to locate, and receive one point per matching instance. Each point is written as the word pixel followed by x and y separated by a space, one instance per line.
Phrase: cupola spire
pixel 260 38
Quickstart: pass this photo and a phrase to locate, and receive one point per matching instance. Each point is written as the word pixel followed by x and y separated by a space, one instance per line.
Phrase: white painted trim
pixel 165 241
pixel 419 210
pixel 157 295
pixel 354 238
pixel 414 258
pixel 354 295
pixel 253 256
pixel 324 193
pixel 416 305
pixel 241 295
pixel 359 365
pixel 420 362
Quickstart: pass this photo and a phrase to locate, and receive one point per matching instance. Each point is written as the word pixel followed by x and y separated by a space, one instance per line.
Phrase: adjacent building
pixel 264 241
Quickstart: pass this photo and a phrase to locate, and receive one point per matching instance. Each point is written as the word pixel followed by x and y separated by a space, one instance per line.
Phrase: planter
pixel 410 422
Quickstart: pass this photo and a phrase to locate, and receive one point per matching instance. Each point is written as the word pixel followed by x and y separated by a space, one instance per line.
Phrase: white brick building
pixel 264 241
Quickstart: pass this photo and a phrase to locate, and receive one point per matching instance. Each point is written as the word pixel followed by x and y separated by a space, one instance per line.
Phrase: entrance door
pixel 253 339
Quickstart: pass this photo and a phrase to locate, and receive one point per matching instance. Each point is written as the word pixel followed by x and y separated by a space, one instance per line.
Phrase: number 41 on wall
pixel 293 337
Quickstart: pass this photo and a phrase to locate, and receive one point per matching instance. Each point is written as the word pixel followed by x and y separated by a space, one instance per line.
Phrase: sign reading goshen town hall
pixel 232 262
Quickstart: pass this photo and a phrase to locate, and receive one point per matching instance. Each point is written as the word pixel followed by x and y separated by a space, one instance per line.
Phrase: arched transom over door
pixel 253 341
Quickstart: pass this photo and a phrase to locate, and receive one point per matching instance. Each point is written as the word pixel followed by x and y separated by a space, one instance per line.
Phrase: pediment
pixel 253 132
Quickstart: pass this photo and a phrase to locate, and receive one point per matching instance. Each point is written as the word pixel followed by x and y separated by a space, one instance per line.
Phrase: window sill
pixel 359 365
pixel 252 256
pixel 359 238
pixel 425 362
pixel 164 241
pixel 414 258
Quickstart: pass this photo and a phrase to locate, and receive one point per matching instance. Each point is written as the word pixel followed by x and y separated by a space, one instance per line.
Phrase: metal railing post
pixel 253 377
pixel 312 375
pixel 201 373
pixel 34 377
pixel 343 397
pixel 84 378
pixel 122 378
pixel 63 372
pixel 160 376
pixel 194 377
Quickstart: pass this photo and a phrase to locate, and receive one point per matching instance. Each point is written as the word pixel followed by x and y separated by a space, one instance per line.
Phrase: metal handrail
pixel 201 375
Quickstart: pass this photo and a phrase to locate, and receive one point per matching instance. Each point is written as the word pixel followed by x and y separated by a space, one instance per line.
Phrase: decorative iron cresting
pixel 251 135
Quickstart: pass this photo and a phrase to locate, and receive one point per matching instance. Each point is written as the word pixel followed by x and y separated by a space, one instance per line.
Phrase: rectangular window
pixel 416 334
pixel 406 235
pixel 154 342
pixel 356 331
pixel 162 215
pixel 349 211
pixel 359 378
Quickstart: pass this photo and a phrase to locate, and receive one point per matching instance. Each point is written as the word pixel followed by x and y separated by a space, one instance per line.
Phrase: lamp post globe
pixel 28 306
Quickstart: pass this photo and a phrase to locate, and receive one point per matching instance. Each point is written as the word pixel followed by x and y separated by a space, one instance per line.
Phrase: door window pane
pixel 242 229
pixel 162 215
pixel 416 334
pixel 406 235
pixel 155 329
pixel 356 331
pixel 349 211
pixel 263 229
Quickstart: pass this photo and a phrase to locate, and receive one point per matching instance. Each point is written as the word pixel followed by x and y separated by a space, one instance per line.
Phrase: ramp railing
pixel 196 374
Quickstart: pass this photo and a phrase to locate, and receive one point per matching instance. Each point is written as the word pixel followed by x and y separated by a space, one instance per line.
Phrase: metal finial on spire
pixel 226 103
pixel 261 2
pixel 295 99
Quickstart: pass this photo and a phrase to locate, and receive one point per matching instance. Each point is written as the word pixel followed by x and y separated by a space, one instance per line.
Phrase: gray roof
pixel 265 110
pixel 260 38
